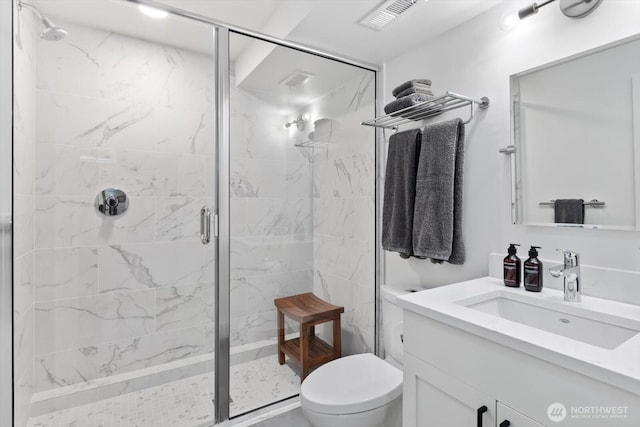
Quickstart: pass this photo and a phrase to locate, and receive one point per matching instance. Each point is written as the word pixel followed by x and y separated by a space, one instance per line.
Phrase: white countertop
pixel 619 366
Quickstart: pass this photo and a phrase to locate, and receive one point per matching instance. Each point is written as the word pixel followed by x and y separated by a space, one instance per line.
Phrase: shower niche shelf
pixel 427 109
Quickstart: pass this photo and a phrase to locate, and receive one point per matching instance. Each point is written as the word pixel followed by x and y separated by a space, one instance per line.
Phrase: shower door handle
pixel 205 225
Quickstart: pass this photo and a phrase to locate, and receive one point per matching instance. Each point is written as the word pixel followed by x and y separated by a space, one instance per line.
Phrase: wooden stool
pixel 308 350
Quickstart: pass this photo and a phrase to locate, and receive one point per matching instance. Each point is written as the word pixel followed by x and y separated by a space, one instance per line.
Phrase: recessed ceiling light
pixel 296 79
pixel 153 12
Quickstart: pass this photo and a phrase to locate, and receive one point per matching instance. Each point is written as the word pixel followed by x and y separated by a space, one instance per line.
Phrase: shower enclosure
pixel 247 177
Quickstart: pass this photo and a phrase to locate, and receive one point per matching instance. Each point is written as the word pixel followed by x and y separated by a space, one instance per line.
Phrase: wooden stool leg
pixel 304 350
pixel 337 338
pixel 280 337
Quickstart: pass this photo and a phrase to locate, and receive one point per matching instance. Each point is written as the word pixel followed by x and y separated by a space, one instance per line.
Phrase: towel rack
pixel 595 203
pixel 427 109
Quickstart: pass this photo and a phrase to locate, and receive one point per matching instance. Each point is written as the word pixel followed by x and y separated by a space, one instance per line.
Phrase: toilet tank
pixel 392 324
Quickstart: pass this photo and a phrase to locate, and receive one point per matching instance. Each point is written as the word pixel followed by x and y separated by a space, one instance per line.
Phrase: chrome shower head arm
pixel 50 32
pixel 32 8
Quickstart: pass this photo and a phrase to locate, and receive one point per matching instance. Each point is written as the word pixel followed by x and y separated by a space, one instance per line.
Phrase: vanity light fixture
pixel 570 8
pixel 153 12
pixel 532 9
pixel 299 122
pixel 508 21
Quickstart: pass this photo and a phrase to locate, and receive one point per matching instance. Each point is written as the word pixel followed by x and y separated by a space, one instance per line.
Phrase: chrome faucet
pixel 571 274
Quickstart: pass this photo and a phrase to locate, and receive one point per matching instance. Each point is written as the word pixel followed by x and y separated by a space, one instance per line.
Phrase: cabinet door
pixel 434 399
pixel 508 417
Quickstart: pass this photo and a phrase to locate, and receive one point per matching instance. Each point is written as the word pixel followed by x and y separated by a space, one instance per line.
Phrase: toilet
pixel 360 390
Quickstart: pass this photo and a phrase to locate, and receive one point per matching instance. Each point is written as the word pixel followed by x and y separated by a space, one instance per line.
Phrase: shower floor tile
pixel 183 403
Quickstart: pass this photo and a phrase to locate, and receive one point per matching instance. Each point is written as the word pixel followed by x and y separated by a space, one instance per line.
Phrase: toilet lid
pixel 351 384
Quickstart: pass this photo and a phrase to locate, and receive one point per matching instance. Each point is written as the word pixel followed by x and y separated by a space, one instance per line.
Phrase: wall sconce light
pixel 532 9
pixel 570 8
pixel 299 122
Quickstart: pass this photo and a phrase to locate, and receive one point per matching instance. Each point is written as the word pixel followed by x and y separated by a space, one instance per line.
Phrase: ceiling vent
pixel 296 79
pixel 386 12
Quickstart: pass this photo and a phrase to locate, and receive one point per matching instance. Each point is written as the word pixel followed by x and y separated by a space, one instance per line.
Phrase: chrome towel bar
pixel 592 203
pixel 427 109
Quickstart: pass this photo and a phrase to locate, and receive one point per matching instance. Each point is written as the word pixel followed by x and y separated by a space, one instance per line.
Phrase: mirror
pixel 576 131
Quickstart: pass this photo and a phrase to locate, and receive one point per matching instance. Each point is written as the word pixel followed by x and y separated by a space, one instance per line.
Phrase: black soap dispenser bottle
pixel 533 271
pixel 512 266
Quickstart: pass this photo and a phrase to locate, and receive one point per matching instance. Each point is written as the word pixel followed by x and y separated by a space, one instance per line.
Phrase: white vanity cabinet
pixel 433 398
pixel 451 374
pixel 442 400
pixel 438 399
pixel 508 417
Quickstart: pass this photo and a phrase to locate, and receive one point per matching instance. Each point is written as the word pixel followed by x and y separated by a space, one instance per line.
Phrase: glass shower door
pixel 114 318
pixel 301 206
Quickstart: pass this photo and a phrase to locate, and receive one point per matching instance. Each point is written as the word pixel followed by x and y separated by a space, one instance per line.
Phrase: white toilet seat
pixel 351 385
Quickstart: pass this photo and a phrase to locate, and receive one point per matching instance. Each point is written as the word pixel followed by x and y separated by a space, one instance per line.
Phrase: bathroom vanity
pixel 480 354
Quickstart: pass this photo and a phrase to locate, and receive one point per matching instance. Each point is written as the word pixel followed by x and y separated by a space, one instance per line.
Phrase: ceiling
pixel 265 80
pixel 259 67
pixel 328 25
pixel 333 26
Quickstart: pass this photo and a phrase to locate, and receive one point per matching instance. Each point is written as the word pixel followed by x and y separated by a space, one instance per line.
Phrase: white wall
pixel 476 59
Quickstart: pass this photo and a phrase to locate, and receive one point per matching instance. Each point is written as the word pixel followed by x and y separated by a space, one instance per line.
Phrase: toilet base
pixel 389 415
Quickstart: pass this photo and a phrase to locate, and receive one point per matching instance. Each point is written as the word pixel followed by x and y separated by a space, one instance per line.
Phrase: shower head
pixel 50 31
pixel 299 122
pixel 53 33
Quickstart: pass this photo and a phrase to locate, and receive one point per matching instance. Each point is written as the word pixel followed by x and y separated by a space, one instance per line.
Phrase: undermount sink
pixel 605 331
pixel 596 337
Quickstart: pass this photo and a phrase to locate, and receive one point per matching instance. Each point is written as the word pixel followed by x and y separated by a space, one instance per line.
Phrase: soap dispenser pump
pixel 533 271
pixel 512 267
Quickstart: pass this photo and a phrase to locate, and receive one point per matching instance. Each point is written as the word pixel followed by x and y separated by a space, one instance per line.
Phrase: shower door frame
pixel 222 189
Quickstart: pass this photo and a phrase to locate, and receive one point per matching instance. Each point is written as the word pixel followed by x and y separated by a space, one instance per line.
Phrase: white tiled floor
pixel 184 403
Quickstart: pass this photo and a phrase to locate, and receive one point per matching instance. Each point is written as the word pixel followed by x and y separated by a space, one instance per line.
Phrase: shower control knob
pixel 112 202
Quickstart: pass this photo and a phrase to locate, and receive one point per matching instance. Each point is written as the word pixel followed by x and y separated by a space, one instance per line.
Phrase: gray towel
pixel 408 84
pixel 400 192
pixel 415 89
pixel 437 225
pixel 569 211
pixel 405 102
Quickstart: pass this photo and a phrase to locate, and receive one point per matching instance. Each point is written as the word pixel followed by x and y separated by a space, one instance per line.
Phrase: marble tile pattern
pixel 115 295
pixel 24 148
pixel 271 216
pixel 344 211
pixel 183 403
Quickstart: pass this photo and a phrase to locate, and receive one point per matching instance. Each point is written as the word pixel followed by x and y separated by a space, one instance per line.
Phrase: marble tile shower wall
pixel 344 210
pixel 271 216
pixel 24 146
pixel 113 295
